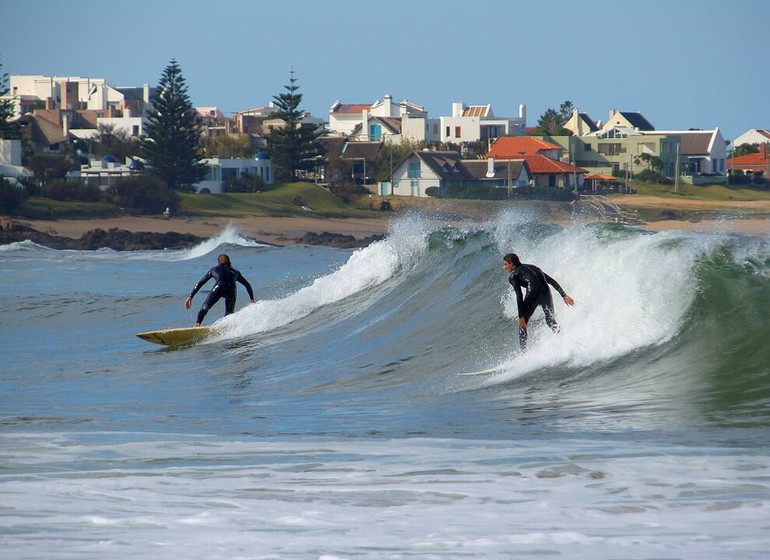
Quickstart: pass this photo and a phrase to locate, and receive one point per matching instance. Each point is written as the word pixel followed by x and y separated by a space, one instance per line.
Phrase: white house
pixel 384 120
pixel 221 169
pixel 471 123
pixel 702 151
pixel 104 172
pixel 753 136
pixel 424 169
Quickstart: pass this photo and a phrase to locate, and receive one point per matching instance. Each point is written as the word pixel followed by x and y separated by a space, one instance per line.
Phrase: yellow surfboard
pixel 178 337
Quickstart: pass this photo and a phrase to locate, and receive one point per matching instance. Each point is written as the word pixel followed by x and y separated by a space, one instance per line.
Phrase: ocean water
pixel 335 418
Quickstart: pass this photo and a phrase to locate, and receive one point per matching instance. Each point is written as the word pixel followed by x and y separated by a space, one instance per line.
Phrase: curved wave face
pixel 667 327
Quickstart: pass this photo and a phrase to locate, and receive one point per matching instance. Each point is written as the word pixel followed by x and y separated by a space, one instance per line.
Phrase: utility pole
pixel 676 165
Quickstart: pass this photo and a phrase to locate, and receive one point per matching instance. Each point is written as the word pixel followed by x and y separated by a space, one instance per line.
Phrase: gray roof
pixel 478 168
pixel 696 143
pixel 637 121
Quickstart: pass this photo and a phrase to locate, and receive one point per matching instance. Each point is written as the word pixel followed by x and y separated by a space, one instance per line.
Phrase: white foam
pixel 366 267
pixel 630 291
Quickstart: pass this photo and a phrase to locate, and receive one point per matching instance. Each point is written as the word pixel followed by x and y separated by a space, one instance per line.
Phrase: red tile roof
pixel 513 146
pixel 352 108
pixel 541 164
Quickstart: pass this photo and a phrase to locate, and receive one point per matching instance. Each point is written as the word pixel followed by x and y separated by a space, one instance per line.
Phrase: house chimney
pixel 490 168
pixel 388 101
pixel 365 125
pixel 457 109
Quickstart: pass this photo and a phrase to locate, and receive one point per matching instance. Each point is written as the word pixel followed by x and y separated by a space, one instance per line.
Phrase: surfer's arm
pixel 198 286
pixel 568 300
pixel 246 285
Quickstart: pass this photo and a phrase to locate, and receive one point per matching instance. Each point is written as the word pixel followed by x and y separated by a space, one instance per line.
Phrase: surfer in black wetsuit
pixel 225 277
pixel 538 293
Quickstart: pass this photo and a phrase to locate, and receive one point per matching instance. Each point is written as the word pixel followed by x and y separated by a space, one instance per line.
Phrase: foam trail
pixel 229 236
pixel 365 268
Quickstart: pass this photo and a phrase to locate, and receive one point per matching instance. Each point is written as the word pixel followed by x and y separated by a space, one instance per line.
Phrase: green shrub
pixel 11 197
pixel 70 191
pixel 143 193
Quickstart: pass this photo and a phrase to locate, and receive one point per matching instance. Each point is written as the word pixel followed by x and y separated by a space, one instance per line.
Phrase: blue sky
pixel 681 63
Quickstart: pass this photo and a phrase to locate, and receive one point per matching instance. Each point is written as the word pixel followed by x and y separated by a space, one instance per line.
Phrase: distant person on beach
pixel 225 277
pixel 167 214
pixel 538 293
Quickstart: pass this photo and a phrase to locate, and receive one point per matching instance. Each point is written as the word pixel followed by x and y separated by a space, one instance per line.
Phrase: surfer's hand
pixel 188 303
pixel 522 323
pixel 569 301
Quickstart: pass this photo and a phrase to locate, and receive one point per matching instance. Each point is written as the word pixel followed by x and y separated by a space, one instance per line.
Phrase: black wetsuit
pixel 536 283
pixel 225 278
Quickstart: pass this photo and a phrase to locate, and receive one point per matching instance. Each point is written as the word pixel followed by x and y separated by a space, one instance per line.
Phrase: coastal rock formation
pixel 338 240
pixel 124 240
pixel 117 239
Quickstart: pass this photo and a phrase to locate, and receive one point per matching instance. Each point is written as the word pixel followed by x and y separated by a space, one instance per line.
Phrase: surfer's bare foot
pixel 197 324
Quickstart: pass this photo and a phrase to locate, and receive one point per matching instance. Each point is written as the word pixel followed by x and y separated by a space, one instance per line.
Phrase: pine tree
pixel 8 129
pixel 172 142
pixel 293 148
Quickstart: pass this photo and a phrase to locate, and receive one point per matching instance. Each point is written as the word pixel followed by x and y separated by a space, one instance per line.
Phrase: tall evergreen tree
pixel 8 129
pixel 292 147
pixel 172 142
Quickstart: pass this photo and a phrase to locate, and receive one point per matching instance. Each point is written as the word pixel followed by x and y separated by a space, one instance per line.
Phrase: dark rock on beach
pixel 338 240
pixel 124 240
pixel 117 239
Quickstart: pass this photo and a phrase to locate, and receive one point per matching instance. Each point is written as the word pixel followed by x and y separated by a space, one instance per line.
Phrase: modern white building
pixel 221 169
pixel 383 121
pixel 473 123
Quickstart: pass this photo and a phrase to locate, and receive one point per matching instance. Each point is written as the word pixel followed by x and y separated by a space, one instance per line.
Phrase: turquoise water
pixel 335 417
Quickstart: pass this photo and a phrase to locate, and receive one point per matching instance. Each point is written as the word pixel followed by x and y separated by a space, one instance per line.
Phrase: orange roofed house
pixel 542 159
pixel 756 163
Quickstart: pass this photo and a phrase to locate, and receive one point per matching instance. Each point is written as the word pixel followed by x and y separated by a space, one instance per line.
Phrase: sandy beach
pixel 747 217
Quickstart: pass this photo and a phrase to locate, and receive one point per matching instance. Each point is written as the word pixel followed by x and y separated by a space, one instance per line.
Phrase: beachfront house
pixel 543 159
pixel 754 136
pixel 383 121
pixel 219 170
pixel 755 164
pixel 424 169
pixel 473 123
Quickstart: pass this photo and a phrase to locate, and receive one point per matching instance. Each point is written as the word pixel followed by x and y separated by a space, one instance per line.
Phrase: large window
pixel 375 132
pixel 609 148
pixel 413 171
pixel 458 132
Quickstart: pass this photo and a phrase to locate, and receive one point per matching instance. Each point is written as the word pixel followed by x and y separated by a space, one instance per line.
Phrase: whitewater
pixel 373 403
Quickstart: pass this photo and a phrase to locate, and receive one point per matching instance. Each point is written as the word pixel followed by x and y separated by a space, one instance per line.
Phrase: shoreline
pixel 266 229
pixel 750 218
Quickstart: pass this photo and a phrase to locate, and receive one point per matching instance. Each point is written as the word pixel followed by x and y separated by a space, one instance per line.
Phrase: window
pixel 586 147
pixel 447 132
pixel 458 134
pixel 375 133
pixel 413 172
pixel 609 149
